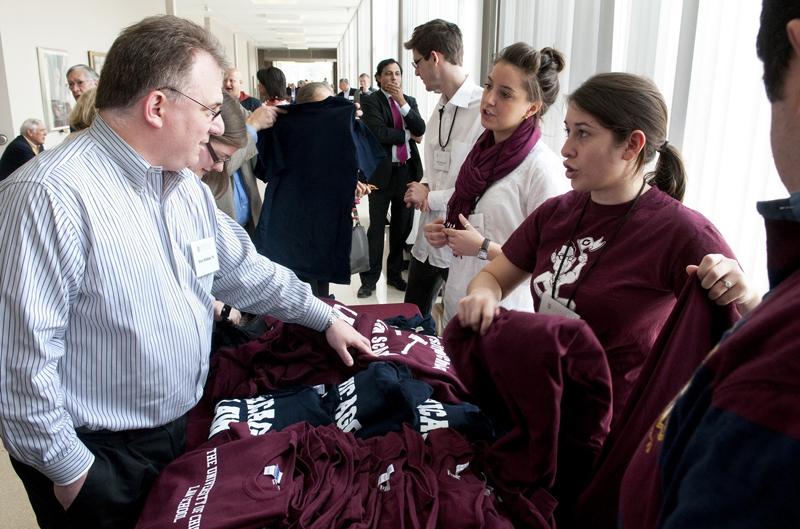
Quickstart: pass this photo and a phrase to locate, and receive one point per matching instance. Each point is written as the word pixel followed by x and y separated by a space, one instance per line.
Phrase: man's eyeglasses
pixel 210 112
pixel 79 84
pixel 215 157
pixel 415 64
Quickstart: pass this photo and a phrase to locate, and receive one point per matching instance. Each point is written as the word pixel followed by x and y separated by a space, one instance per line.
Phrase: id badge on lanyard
pixel 441 160
pixel 548 305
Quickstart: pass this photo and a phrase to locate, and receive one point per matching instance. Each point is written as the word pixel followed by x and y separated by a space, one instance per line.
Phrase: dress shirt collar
pixel 463 96
pixel 36 148
pixel 134 166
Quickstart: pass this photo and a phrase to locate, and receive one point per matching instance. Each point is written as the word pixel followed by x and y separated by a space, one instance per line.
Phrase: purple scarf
pixel 487 163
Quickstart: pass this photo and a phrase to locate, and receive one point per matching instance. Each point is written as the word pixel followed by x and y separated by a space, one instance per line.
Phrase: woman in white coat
pixel 506 175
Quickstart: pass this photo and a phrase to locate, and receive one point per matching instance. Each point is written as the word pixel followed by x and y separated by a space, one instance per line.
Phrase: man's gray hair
pixel 29 124
pixel 344 80
pixel 88 70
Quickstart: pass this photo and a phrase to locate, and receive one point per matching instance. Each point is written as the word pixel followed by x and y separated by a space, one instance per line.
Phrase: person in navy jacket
pixel 24 147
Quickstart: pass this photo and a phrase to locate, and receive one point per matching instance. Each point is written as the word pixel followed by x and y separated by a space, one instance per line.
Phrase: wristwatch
pixel 225 313
pixel 334 315
pixel 483 253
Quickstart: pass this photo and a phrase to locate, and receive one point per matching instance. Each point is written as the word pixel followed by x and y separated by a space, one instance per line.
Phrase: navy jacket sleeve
pixel 735 474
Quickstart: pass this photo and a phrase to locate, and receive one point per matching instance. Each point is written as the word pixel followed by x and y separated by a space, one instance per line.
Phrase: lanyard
pixel 611 238
pixel 441 113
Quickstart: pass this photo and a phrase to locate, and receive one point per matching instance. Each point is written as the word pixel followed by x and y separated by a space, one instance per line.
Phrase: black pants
pixel 380 201
pixel 424 282
pixel 125 467
pixel 321 289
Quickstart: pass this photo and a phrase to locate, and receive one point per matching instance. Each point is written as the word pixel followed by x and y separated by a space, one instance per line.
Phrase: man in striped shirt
pixel 112 255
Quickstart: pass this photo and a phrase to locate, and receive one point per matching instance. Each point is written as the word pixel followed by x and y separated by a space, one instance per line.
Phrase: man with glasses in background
pixel 112 255
pixel 81 78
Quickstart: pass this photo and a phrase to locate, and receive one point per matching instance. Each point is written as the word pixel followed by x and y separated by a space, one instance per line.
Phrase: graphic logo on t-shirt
pixel 575 257
pixel 258 412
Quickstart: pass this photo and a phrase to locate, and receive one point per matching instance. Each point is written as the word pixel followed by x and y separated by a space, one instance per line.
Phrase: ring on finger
pixel 726 283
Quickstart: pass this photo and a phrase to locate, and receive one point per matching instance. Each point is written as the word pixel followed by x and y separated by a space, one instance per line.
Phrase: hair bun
pixel 551 58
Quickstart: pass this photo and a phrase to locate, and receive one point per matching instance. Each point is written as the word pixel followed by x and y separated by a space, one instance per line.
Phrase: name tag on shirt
pixel 441 160
pixel 550 306
pixel 204 256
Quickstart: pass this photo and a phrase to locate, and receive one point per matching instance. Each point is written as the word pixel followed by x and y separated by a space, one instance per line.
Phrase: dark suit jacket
pixel 350 93
pixel 378 118
pixel 16 154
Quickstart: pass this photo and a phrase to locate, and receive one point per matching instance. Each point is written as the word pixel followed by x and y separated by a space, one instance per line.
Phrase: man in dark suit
pixel 394 119
pixel 345 91
pixel 24 147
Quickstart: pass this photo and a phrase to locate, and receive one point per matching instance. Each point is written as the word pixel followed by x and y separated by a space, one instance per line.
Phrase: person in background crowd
pixel 613 251
pixel 272 86
pixel 24 147
pixel 394 119
pixel 508 173
pixel 232 83
pixel 113 253
pixel 437 51
pixel 364 85
pixel 291 92
pixel 313 92
pixel 345 90
pixel 725 453
pixel 81 78
pixel 84 112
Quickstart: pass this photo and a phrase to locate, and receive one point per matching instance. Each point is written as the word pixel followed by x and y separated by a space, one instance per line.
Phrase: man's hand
pixel 417 139
pixel 416 194
pixel 66 494
pixel 264 117
pixel 342 335
pixel 395 91
pixel 359 112
pixel 434 233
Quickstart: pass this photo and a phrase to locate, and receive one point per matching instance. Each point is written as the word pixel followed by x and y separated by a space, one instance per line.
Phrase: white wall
pixel 91 25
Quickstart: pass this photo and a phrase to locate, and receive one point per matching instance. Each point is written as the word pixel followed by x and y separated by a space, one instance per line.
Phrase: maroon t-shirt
pixel 628 295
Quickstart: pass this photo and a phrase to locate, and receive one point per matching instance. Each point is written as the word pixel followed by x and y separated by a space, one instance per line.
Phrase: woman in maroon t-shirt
pixel 616 250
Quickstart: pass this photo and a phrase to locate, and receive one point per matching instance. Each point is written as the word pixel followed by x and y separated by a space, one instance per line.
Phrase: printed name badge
pixel 441 160
pixel 204 257
pixel 550 306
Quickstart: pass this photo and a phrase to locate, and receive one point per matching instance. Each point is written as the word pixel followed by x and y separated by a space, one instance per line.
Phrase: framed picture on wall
pixel 96 60
pixel 56 97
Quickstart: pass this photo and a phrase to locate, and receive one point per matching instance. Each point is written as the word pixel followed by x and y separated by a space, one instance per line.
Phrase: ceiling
pixel 295 24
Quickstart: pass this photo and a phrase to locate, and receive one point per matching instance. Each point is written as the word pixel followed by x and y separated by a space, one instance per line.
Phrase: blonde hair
pixel 84 112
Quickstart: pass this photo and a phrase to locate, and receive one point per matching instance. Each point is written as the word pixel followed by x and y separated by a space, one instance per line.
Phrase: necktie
pixel 402 151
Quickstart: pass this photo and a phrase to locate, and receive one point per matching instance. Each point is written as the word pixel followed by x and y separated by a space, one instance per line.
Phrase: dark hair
pixel 438 35
pixel 773 46
pixel 623 103
pixel 88 70
pixel 158 51
pixel 274 82
pixel 383 64
pixel 235 135
pixel 541 69
pixel 308 92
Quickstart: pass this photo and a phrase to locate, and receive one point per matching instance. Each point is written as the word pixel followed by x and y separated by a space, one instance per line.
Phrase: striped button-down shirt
pixel 104 323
